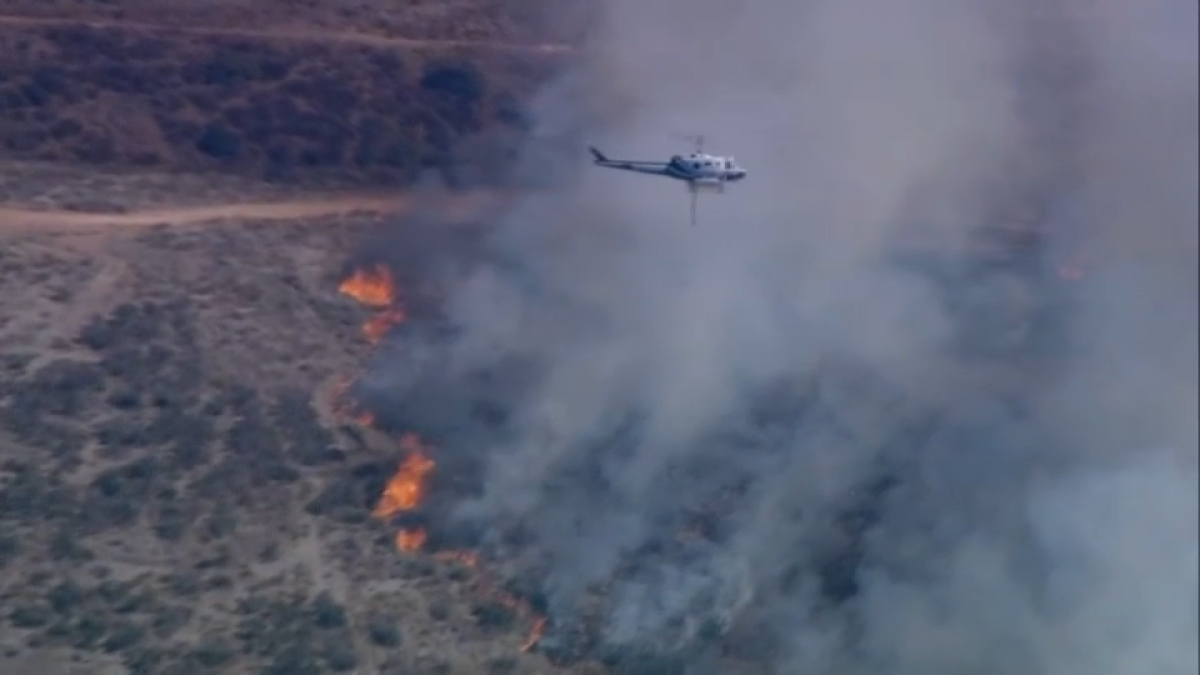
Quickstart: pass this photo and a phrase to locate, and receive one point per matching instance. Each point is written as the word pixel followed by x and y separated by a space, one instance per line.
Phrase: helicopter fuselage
pixel 699 170
pixel 695 168
pixel 703 168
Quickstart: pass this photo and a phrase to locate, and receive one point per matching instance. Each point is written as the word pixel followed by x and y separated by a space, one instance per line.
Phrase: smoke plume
pixel 848 423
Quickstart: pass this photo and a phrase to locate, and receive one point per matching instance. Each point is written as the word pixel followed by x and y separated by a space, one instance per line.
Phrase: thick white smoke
pixel 1043 514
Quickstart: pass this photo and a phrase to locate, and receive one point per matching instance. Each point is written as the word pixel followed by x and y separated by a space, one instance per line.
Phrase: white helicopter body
pixel 700 170
pixel 698 167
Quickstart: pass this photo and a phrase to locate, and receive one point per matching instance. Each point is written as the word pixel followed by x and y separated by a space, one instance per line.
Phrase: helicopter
pixel 700 170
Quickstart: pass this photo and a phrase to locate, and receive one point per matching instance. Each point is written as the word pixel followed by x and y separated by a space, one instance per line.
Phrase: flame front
pixel 410 540
pixel 372 287
pixel 375 287
pixel 347 408
pixel 381 323
pixel 535 634
pixel 405 489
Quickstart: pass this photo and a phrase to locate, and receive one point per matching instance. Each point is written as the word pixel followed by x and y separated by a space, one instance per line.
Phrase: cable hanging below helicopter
pixel 699 170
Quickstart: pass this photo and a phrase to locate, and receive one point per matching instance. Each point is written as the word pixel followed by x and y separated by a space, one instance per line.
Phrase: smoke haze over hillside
pixel 766 428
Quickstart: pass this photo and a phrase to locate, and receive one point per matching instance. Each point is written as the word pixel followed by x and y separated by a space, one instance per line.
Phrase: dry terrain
pixel 187 190
pixel 179 490
pixel 152 88
pixel 498 21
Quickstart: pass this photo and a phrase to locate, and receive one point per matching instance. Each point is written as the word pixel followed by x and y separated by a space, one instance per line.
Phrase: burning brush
pixel 407 489
pixel 375 287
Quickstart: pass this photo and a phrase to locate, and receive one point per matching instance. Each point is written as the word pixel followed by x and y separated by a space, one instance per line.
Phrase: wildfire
pixel 373 287
pixel 345 407
pixel 407 487
pixel 410 540
pixel 379 324
pixel 537 626
pixel 405 490
pixel 535 634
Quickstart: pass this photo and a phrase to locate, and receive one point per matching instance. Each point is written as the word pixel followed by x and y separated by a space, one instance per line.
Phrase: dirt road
pixel 298 35
pixel 15 219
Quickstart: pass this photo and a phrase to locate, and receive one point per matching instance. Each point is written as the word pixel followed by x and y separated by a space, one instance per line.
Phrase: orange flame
pixel 379 325
pixel 406 488
pixel 410 540
pixel 404 492
pixel 535 634
pixel 373 287
pixel 345 407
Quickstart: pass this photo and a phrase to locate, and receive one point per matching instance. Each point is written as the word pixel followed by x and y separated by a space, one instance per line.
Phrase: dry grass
pixel 524 21
pixel 297 106
pixel 176 494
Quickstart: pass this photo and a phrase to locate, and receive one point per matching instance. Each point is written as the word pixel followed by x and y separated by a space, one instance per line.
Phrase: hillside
pixel 215 88
pixel 177 493
pixel 273 403
pixel 510 21
pixel 182 186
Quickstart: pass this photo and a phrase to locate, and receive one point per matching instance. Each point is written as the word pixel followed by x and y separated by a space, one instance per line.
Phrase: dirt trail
pixel 15 219
pixel 301 35
pixel 39 323
pixel 25 218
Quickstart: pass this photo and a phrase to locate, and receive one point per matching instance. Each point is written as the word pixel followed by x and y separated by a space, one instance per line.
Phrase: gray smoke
pixel 820 432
